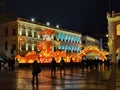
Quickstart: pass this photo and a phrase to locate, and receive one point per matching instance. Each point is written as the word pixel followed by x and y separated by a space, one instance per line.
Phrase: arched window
pixel 66 47
pixel 75 39
pixel 78 40
pixel 58 36
pixel 66 37
pixel 118 29
pixel 29 33
pixel 63 47
pixel 69 38
pixel 59 47
pixel 78 49
pixel 62 37
pixel 72 48
pixel 23 33
pixel 72 38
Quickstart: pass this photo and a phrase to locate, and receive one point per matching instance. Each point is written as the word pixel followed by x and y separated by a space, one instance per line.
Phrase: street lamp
pixel 48 23
pixel 57 26
pixel 32 19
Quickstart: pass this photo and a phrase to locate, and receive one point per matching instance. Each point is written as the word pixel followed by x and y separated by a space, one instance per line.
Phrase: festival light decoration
pixel 45 55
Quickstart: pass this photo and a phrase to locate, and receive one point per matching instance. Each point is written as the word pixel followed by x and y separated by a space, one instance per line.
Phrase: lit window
pixel 62 37
pixel 118 29
pixel 63 48
pixel 69 38
pixel 66 47
pixel 58 36
pixel 72 38
pixel 59 46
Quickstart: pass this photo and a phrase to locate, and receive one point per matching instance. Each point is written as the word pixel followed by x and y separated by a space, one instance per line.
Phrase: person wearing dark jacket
pixel 35 71
pixel 53 66
pixel 62 65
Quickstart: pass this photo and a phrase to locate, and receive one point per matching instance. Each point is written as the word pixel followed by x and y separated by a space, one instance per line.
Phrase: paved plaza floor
pixel 76 80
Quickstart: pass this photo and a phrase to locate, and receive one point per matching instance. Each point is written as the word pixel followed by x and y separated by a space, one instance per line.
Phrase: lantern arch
pixel 92 49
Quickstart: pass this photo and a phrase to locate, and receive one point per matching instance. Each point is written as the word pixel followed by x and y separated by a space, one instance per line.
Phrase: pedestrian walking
pixel 35 70
pixel 62 65
pixel 6 66
pixel 53 66
pixel 119 63
pixel 71 64
pixel 16 64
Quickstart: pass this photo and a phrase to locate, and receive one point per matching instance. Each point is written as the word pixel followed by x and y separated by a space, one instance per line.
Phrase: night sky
pixel 83 16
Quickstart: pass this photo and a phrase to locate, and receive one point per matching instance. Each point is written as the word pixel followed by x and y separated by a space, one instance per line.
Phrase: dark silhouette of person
pixel 83 64
pixel 119 63
pixel 108 63
pixel 71 64
pixel 62 65
pixel 11 63
pixel 96 61
pixel 87 63
pixel 35 71
pixel 53 66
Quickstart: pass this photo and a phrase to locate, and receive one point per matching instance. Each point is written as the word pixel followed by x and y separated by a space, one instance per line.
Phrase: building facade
pixel 20 36
pixel 90 41
pixel 114 35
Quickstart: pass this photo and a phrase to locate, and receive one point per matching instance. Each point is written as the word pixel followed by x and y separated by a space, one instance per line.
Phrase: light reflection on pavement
pixel 78 80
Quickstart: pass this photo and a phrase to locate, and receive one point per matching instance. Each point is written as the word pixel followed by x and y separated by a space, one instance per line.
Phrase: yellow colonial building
pixel 20 36
pixel 114 35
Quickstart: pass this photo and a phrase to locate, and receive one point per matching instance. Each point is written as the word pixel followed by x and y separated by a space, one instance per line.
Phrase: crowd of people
pixel 96 64
pixel 9 64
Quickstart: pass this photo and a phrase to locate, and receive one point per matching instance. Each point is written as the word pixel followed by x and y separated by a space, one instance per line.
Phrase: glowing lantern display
pixel 92 49
pixel 46 54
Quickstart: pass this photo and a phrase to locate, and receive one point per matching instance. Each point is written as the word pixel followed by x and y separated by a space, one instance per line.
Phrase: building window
pixel 72 39
pixel 55 38
pixel 35 47
pixel 35 34
pixel 118 29
pixel 13 31
pixel 59 47
pixel 29 33
pixel 6 45
pixel 23 46
pixel 6 32
pixel 14 46
pixel 66 38
pixel 23 32
pixel 58 36
pixel 62 37
pixel 29 47
pixel 63 47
